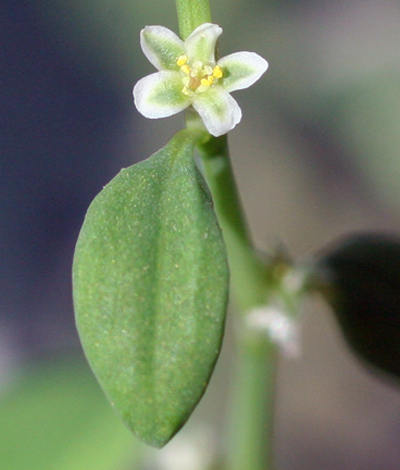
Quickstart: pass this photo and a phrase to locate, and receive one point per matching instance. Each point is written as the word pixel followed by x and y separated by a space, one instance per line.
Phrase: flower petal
pixel 160 95
pixel 241 70
pixel 200 45
pixel 161 46
pixel 219 111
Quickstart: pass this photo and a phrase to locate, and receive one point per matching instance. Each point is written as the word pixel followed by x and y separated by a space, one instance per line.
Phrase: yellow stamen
pixel 217 72
pixel 197 74
pixel 182 60
pixel 207 80
pixel 185 69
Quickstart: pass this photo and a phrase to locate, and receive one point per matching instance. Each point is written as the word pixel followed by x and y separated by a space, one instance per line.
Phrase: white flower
pixel 189 75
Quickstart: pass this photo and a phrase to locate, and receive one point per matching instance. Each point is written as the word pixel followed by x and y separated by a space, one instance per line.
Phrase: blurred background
pixel 317 155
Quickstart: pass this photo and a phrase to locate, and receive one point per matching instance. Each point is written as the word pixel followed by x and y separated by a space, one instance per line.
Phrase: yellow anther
pixel 196 74
pixel 185 69
pixel 182 59
pixel 206 81
pixel 217 72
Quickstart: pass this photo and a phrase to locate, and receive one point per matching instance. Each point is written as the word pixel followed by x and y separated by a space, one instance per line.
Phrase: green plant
pixel 166 237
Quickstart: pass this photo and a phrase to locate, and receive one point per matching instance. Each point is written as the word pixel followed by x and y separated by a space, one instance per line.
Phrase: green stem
pixel 192 13
pixel 248 273
pixel 250 441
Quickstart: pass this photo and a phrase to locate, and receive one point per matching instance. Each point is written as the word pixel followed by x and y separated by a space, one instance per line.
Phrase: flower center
pixel 197 77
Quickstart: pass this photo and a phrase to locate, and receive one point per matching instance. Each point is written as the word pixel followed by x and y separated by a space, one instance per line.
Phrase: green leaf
pixel 363 274
pixel 150 290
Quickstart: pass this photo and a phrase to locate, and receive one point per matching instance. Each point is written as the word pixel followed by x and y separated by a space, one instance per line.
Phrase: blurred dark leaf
pixel 363 274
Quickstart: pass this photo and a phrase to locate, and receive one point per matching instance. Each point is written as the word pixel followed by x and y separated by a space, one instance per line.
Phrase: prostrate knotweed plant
pixel 164 240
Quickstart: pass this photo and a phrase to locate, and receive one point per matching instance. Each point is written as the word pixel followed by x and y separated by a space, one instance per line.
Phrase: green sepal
pixel 162 47
pixel 150 289
pixel 362 283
